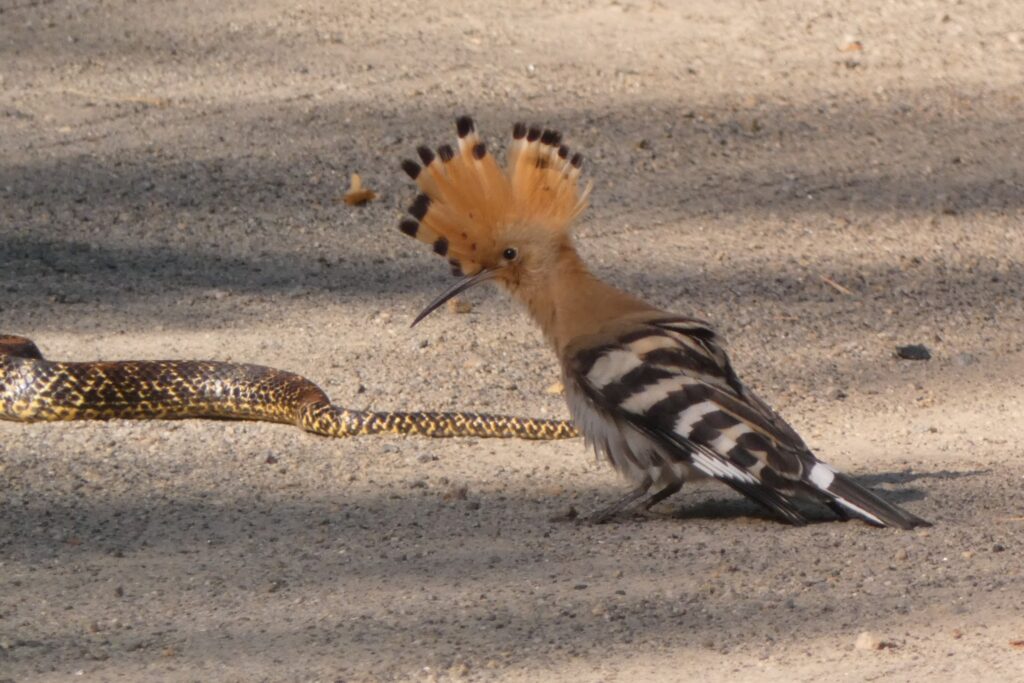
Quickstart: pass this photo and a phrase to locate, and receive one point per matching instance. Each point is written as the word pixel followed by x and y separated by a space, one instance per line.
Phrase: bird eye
pixel 510 254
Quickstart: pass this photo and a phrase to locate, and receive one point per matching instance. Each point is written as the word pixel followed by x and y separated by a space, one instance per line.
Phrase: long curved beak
pixel 460 286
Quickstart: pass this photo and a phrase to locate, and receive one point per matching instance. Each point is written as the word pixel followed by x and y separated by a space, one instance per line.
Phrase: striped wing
pixel 672 380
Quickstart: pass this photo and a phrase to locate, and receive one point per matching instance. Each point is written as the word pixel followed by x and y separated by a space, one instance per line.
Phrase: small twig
pixel 150 101
pixel 25 5
pixel 835 285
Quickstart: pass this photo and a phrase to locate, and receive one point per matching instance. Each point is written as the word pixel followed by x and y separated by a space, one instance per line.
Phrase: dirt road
pixel 824 183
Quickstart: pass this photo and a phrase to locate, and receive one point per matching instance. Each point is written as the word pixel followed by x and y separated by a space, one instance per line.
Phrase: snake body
pixel 33 389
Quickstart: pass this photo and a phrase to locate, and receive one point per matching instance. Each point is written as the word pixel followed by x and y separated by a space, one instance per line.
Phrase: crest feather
pixel 467 197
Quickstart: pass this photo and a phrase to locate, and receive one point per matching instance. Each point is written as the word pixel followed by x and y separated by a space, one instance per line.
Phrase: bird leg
pixel 605 514
pixel 670 490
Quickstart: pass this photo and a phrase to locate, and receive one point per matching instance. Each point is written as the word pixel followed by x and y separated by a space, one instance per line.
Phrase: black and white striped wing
pixel 672 380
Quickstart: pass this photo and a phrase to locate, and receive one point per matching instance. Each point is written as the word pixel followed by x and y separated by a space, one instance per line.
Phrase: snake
pixel 34 389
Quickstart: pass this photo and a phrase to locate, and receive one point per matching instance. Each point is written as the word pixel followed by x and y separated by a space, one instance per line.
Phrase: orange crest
pixel 467 198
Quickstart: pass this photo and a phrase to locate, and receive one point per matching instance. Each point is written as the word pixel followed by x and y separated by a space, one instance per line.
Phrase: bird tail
pixel 860 502
pixel 465 196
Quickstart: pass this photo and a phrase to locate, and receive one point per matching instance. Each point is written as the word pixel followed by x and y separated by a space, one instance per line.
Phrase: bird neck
pixel 570 302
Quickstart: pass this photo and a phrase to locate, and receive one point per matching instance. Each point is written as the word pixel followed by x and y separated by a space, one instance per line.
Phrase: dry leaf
pixel 555 389
pixel 1019 644
pixel 457 305
pixel 852 46
pixel 358 195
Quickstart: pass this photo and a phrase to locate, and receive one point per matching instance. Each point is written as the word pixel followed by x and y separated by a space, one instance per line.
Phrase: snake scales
pixel 33 389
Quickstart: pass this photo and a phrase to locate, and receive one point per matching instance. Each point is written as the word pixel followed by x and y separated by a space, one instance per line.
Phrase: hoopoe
pixel 653 392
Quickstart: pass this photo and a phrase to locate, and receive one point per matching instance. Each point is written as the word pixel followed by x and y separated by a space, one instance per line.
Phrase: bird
pixel 653 392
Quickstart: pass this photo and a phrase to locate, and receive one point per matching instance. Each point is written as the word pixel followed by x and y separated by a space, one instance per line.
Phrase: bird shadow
pixel 900 478
pixel 744 511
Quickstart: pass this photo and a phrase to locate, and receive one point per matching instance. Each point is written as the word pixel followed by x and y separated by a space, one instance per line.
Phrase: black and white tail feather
pixel 676 411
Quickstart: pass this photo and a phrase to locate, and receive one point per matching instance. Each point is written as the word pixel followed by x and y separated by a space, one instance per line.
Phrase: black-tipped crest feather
pixel 426 155
pixel 419 207
pixel 411 168
pixel 464 126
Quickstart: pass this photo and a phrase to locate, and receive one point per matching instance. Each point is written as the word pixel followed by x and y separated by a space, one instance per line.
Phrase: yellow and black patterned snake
pixel 33 389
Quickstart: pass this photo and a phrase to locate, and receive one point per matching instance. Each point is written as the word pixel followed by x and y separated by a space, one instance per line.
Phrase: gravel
pixel 171 187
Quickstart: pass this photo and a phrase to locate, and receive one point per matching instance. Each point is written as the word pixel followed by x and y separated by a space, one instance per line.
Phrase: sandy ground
pixel 169 177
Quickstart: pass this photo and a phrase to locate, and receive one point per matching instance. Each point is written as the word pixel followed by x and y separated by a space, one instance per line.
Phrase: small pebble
pixel 868 641
pixel 998 548
pixel 901 554
pixel 567 515
pixel 456 493
pixel 963 360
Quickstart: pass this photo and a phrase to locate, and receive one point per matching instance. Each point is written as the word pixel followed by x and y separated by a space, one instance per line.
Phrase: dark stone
pixel 913 352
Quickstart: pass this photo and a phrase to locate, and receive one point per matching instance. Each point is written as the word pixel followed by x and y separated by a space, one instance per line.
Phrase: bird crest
pixel 467 199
